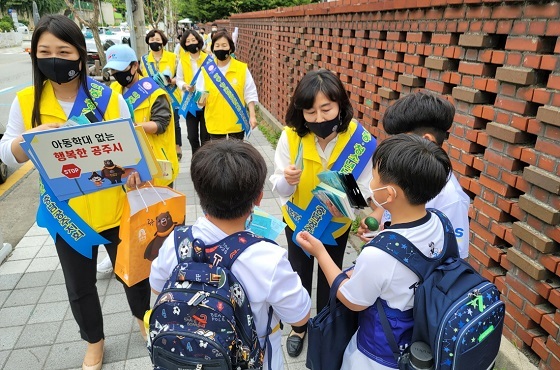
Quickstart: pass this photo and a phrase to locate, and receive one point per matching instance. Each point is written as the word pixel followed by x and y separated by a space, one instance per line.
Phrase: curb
pixel 270 119
pixel 5 251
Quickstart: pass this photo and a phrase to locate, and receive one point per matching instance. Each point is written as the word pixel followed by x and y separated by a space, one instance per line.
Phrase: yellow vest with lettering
pixel 101 210
pixel 163 145
pixel 185 60
pixel 219 115
pixel 312 166
pixel 168 59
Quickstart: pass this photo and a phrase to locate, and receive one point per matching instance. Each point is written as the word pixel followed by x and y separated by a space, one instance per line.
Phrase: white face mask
pixel 377 204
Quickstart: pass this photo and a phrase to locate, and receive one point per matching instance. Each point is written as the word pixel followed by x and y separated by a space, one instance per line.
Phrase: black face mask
pixel 325 128
pixel 192 48
pixel 59 70
pixel 124 78
pixel 155 46
pixel 221 54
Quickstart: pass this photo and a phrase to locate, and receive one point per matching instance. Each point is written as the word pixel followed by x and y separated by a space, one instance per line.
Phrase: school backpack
pixel 457 312
pixel 202 318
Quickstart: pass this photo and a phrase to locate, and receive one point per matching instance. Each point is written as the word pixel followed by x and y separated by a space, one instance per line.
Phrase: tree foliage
pixel 209 10
pixel 25 7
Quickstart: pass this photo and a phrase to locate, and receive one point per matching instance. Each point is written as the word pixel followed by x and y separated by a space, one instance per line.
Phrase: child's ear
pixel 258 201
pixel 430 137
pixel 393 192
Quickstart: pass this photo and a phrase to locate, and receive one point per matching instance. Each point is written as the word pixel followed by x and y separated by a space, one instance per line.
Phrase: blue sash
pixel 316 218
pixel 152 72
pixel 84 105
pixel 58 218
pixel 140 91
pixel 188 105
pixel 225 89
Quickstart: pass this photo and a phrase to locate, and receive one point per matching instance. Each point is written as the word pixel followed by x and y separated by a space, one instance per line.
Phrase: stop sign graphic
pixel 71 171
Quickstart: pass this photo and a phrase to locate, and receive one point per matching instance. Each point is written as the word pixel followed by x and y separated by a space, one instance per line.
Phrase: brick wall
pixel 498 62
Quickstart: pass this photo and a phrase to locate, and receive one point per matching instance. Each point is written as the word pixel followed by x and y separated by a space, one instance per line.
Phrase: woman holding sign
pixel 230 88
pixel 161 62
pixel 150 104
pixel 188 68
pixel 62 90
pixel 320 135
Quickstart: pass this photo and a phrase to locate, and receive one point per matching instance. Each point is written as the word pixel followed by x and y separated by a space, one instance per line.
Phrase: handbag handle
pixel 334 289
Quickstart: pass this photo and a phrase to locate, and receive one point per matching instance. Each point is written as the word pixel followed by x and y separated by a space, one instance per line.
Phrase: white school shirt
pixel 453 202
pixel 377 274
pixel 267 278
pixel 16 127
pixel 249 90
pixel 282 160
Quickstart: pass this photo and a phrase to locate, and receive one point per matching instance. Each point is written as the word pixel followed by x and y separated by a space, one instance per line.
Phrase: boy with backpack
pixel 429 116
pixel 228 176
pixel 408 171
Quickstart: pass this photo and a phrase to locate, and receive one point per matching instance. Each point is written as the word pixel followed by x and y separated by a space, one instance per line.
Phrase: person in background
pixel 160 60
pixel 189 64
pixel 152 110
pixel 221 119
pixel 430 116
pixel 58 58
pixel 319 128
pixel 208 42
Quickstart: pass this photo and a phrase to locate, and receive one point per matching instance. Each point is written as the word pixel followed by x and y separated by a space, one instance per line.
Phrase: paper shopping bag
pixel 150 215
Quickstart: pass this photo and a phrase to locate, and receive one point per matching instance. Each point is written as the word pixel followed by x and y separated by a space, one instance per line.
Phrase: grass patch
pixel 272 134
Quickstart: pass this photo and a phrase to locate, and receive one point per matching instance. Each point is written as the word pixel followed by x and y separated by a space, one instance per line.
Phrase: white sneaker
pixel 105 266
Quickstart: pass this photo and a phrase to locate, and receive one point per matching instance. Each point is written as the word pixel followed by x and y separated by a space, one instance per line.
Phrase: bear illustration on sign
pixel 112 172
pixel 164 227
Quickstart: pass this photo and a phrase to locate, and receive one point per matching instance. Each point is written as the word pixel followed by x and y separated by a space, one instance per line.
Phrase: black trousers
pixel 80 275
pixel 303 265
pixel 196 130
pixel 178 138
pixel 236 135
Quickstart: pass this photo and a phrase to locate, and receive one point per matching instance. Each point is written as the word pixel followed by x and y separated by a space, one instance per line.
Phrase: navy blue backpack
pixel 202 319
pixel 457 312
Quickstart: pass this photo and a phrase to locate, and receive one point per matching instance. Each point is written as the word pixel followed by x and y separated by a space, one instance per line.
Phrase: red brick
pixel 548 324
pixel 539 346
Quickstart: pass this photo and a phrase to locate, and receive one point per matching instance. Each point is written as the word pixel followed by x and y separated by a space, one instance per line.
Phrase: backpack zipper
pixel 195 336
pixel 450 311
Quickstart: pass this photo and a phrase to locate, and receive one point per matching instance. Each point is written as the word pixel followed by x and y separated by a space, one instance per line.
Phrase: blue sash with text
pixel 140 91
pixel 58 218
pixel 169 89
pixel 84 105
pixel 316 218
pixel 188 105
pixel 225 89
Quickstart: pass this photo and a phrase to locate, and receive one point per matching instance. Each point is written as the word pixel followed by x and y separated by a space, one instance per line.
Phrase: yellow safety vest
pixel 163 145
pixel 312 166
pixel 168 59
pixel 219 115
pixel 101 210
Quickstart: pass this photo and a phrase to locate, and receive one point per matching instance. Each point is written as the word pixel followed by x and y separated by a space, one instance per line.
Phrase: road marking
pixel 14 178
pixel 6 89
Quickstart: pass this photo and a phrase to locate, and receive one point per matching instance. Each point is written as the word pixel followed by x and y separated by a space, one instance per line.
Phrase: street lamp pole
pixel 136 24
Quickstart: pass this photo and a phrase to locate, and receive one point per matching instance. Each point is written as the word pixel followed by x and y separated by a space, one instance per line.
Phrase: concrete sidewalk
pixel 37 329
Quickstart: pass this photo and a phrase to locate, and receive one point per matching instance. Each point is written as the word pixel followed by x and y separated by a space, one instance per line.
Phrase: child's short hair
pixel 416 165
pixel 228 176
pixel 420 113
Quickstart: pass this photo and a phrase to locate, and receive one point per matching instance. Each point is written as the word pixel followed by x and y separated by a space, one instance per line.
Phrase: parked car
pixel 3 167
pixel 109 36
pixel 21 28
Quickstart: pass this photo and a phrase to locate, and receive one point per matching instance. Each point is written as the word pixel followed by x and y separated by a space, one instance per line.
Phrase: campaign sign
pixel 83 159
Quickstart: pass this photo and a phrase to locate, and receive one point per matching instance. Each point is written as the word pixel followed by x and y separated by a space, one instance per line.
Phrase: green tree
pixel 120 5
pixel 209 10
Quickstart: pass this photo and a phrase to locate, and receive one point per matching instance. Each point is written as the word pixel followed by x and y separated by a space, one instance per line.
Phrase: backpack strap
pixel 406 252
pixel 387 330
pixel 234 244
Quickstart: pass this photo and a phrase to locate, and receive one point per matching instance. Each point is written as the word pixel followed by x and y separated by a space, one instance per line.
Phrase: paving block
pixel 43 264
pixel 66 355
pixel 28 358
pixel 15 316
pixel 22 297
pixel 9 282
pixel 69 331
pixel 37 335
pixel 54 293
pixel 34 279
pixel 116 348
pixel 119 323
pixel 9 337
pixel 49 312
